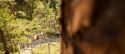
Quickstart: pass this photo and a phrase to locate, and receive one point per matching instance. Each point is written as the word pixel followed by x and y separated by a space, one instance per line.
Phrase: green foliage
pixel 31 16
pixel 54 49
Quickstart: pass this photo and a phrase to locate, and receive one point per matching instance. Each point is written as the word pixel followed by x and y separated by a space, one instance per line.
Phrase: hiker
pixel 36 36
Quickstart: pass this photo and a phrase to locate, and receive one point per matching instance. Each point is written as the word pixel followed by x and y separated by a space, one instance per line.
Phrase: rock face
pixel 92 26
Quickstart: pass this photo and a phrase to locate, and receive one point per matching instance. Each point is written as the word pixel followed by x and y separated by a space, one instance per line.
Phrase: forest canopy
pixel 20 19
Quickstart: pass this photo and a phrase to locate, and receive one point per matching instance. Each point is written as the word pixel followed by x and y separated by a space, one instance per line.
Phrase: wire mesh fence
pixel 49 42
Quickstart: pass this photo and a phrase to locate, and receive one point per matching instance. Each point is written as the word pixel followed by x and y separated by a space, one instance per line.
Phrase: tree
pixel 20 19
pixel 5 18
pixel 4 41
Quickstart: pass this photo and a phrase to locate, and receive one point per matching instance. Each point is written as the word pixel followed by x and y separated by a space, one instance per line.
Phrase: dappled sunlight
pixel 28 26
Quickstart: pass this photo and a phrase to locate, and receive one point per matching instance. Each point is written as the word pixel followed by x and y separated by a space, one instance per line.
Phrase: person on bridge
pixel 36 36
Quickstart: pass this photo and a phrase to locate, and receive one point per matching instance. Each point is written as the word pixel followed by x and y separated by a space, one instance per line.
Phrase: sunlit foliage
pixel 21 19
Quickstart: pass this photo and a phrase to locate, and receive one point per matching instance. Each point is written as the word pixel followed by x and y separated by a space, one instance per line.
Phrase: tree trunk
pixel 92 27
pixel 11 8
pixel 4 42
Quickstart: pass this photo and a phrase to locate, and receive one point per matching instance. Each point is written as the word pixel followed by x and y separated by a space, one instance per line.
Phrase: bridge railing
pixel 36 44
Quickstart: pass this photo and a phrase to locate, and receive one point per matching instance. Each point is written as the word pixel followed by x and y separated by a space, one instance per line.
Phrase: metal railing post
pixel 48 47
